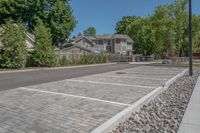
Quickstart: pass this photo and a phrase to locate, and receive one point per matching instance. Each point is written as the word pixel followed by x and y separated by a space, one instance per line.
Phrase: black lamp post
pixel 190 38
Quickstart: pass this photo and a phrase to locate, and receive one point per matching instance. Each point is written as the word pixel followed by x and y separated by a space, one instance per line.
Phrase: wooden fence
pixel 119 58
pixel 110 57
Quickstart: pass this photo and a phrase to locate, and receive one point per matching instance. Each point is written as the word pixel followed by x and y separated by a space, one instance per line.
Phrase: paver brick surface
pixel 123 94
pixel 47 108
pixel 120 80
pixel 149 72
pixel 25 111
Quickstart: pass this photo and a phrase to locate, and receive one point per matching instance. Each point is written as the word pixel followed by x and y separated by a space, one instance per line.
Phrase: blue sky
pixel 103 14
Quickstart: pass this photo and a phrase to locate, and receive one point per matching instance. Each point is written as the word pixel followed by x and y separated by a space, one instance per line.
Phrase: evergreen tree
pixel 43 54
pixel 13 52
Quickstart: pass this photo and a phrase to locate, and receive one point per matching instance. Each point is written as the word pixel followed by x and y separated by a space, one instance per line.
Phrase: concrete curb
pixel 55 68
pixel 112 123
pixel 142 63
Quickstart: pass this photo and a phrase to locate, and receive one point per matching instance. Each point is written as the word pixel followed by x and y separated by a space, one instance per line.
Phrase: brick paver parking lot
pixel 77 105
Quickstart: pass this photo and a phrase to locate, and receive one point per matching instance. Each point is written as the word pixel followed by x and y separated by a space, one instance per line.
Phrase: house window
pixel 118 41
pixel 124 48
pixel 123 43
pixel 100 41
pixel 95 41
pixel 105 41
pixel 109 42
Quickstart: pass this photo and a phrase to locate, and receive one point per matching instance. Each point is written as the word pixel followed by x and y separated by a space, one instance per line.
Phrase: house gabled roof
pixel 82 48
pixel 30 36
pixel 105 36
pixel 115 36
pixel 122 36
pixel 82 37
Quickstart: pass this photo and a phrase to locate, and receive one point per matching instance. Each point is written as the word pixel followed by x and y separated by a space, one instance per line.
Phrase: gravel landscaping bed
pixel 164 113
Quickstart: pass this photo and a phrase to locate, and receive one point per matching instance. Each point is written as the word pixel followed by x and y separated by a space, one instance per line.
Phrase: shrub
pixel 84 59
pixel 93 59
pixel 13 52
pixel 101 59
pixel 64 61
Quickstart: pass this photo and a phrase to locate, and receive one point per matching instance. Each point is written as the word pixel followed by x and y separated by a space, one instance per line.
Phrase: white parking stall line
pixel 74 96
pixel 95 82
pixel 120 76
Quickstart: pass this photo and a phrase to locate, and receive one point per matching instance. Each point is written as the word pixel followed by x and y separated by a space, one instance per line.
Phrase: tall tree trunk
pixel 180 52
pixel 169 46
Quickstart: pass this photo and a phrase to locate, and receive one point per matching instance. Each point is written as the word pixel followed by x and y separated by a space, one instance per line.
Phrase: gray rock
pixel 164 113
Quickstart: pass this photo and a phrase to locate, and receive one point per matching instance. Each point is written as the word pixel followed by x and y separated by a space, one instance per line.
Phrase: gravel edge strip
pixel 164 113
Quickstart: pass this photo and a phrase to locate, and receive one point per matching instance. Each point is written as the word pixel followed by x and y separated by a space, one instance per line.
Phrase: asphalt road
pixel 20 79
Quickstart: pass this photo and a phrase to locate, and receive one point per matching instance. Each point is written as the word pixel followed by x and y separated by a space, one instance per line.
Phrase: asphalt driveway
pixel 20 79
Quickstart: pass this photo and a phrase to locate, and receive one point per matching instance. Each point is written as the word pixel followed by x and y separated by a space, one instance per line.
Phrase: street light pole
pixel 190 38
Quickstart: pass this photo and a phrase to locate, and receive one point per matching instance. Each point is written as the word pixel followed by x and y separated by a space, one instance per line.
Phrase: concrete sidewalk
pixel 191 119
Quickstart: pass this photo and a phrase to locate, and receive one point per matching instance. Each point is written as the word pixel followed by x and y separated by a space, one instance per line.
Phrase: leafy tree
pixel 123 23
pixel 61 21
pixel 55 14
pixel 26 10
pixel 196 42
pixel 143 35
pixel 163 25
pixel 43 54
pixel 13 52
pixel 196 33
pixel 165 32
pixel 91 31
pixel 180 16
pixel 195 24
pixel 79 34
